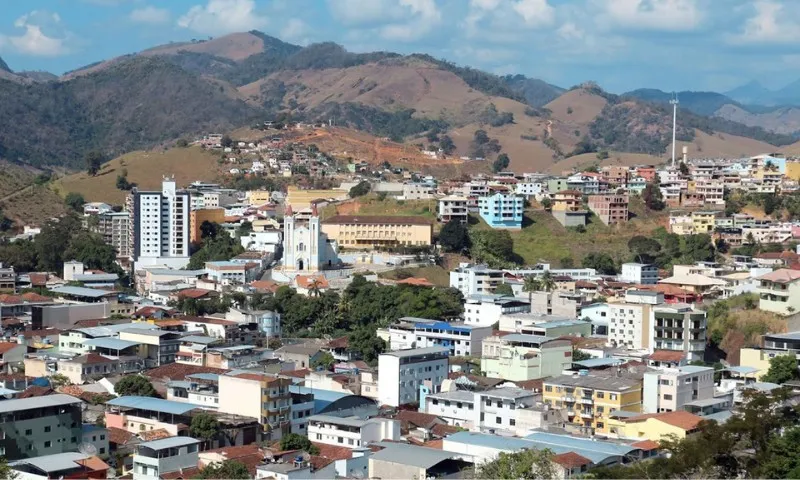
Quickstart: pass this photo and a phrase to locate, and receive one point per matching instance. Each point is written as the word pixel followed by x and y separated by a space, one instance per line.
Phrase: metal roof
pixel 595 450
pixel 96 277
pixel 785 336
pixel 109 342
pixel 111 330
pixel 171 442
pixel 179 273
pixel 199 339
pixel 519 337
pixel 82 292
pixel 7 391
pixel 695 369
pixel 420 457
pixel 455 396
pixel 152 404
pixel 204 376
pixel 708 402
pixel 560 323
pixel 599 362
pixel 53 463
pixel 17 404
pixel 742 370
pixel 507 392
pixel 719 417
pixel 346 421
pixel 415 352
pixel 490 441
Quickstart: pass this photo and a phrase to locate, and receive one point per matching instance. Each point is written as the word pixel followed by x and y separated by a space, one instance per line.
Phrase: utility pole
pixel 674 103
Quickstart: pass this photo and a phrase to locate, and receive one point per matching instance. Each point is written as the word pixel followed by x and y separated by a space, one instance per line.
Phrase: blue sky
pixel 621 44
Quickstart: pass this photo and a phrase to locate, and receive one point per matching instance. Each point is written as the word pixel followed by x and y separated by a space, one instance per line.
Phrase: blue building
pixel 502 210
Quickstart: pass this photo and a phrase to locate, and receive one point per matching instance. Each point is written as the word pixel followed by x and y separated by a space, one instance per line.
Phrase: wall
pixel 240 396
pixel 26 438
pixel 64 317
pixel 388 470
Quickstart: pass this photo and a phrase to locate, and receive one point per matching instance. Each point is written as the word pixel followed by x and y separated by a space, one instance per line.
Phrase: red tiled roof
pixel 296 373
pixel 41 333
pixel 443 430
pixel 38 279
pixel 93 464
pixel 178 371
pixel 119 436
pixel 5 347
pixel 318 462
pixel 35 391
pixel 672 356
pixel 195 293
pixel 265 285
pixel 333 452
pixel 91 358
pixel 532 385
pixel 571 460
pixel 376 220
pixel 783 275
pixel 341 342
pixel 437 444
pixel 418 419
pixel 646 445
pixel 251 376
pixel 150 310
pixel 169 322
pixel 185 473
pixel 679 418
pixel 156 434
pixel 308 281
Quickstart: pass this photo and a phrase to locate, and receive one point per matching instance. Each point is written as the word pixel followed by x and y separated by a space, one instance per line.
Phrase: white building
pixel 264 241
pixel 453 207
pixel 496 410
pixel 153 460
pixel 269 322
pixel 472 279
pixel 531 189
pixel 161 227
pixel 639 273
pixel 459 338
pixel 668 390
pixel 403 373
pixel 305 247
pixel 630 325
pixel 486 310
pixel 456 407
pixel 351 432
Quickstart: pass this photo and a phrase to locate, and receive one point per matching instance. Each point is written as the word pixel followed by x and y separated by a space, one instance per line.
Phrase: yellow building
pixel 301 199
pixel 793 170
pixel 759 358
pixel 259 197
pixel 365 232
pixel 654 426
pixel 197 217
pixel 703 222
pixel 590 399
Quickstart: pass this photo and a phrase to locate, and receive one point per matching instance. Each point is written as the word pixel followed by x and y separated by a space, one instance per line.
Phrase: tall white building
pixel 669 389
pixel 160 233
pixel 402 373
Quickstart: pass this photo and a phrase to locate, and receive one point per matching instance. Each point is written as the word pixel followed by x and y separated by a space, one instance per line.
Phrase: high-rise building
pixel 160 226
pixel 115 229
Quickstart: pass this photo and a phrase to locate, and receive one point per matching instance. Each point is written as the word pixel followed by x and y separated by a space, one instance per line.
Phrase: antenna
pixel 674 103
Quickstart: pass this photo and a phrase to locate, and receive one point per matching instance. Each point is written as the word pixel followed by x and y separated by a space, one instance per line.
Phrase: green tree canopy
pixel 75 201
pixel 602 262
pixel 135 385
pixel 324 361
pixel 527 464
pixel 782 368
pixel 229 469
pixel 204 426
pixel 493 247
pixel 504 289
pixel 94 160
pixel 359 190
pixel 454 236
pixel 293 441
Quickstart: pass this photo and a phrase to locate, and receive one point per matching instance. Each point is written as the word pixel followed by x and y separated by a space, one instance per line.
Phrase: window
pixel 498 420
pixel 499 404
pixel 482 415
pixel 435 402
pixel 548 388
pixel 667 397
pixel 319 436
pixel 340 439
pixel 29 432
pixel 600 425
pixel 512 422
pixel 601 395
pixel 47 444
pixel 488 402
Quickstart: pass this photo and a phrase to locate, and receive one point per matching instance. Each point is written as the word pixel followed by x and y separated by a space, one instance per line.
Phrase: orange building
pixel 197 217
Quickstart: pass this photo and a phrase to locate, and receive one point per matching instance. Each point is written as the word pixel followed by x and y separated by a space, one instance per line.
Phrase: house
pixel 639 273
pixel 669 389
pixel 779 291
pixel 486 310
pixel 398 460
pixel 475 279
pixel 31 426
pixel 654 426
pixel 11 353
pixel 302 355
pixel 453 208
pixel 157 459
pixel 351 431
pixel 567 208
pixel 525 357
pixel 61 465
pixel 311 285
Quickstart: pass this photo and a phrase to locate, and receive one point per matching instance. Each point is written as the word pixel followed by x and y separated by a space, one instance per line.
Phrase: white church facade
pixel 305 248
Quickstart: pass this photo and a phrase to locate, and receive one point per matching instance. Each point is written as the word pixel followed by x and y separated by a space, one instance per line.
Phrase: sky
pixel 621 44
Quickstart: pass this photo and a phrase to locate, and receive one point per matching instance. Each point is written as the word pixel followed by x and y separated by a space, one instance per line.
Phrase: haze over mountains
pixel 183 89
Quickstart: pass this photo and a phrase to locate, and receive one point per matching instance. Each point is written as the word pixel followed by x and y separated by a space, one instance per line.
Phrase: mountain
pixel 752 93
pixel 147 98
pixel 38 76
pixel 537 93
pixel 785 120
pixel 4 66
pixel 701 103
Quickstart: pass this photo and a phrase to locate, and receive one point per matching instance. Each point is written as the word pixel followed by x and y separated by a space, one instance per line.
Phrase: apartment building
pixel 486 310
pixel 472 279
pixel 590 399
pixel 779 291
pixel 365 232
pixel 703 222
pixel 258 395
pixel 456 407
pixel 668 390
pixel 160 226
pixel 37 426
pixel 115 229
pixel 159 458
pixel 459 338
pixel 610 208
pixel 630 325
pixel 502 211
pixel 679 327
pixel 453 207
pixel 568 209
pixel 199 216
pixel 74 341
pixel 497 409
pixel 232 272
pixel 639 273
pixel 712 192
pixel 351 431
pixel 518 357
pixel 404 373
pixel 617 175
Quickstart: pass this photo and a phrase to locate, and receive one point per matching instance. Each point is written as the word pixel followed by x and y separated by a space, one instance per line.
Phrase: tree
pixel 59 380
pixel 547 282
pixel 531 284
pixel 5 471
pixel 527 464
pixel 504 289
pixel 579 355
pixel 567 262
pixel 361 189
pixel 644 249
pixel 501 163
pixel 293 441
pixel 182 143
pixel 652 197
pixel 228 469
pixel 75 201
pixel 602 155
pixel 698 248
pixel 122 181
pixel 782 368
pixel 771 203
pixel 135 385
pixel 367 344
pixel 205 426
pixel 226 141
pixel 446 144
pixel 209 229
pixel 494 247
pixel 324 361
pixel 454 236
pixel 547 203
pixel 601 262
pixel 684 169
pixel 94 160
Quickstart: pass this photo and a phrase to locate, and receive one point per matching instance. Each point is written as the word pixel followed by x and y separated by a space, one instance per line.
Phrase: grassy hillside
pixel 146 169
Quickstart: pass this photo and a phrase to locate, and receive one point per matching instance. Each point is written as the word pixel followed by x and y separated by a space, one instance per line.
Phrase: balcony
pixel 569 399
pixel 587 415
pixel 586 400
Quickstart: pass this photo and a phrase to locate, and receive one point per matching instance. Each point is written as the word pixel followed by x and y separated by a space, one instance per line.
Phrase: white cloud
pixel 770 24
pixel 219 17
pixel 296 30
pixel 505 18
pixel 536 13
pixel 43 35
pixel 659 15
pixel 421 15
pixel 150 14
pixel 362 12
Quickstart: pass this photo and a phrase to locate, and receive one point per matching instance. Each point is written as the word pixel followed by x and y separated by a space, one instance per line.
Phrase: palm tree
pixel 547 282
pixel 314 287
pixel 531 284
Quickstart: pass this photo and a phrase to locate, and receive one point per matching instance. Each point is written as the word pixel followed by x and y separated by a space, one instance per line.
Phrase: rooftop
pixel 171 442
pixel 82 292
pixel 33 403
pixel 415 352
pixel 152 404
pixel 376 220
pixel 507 392
pixel 679 418
pixel 783 275
pixel 110 343
pixel 597 382
pixel 405 454
pixel 455 395
pixel 54 463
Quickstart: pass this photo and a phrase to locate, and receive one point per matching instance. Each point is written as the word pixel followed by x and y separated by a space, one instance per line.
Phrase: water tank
pixel 583 372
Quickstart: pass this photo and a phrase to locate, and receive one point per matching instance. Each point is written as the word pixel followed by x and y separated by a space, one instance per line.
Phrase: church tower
pixel 314 236
pixel 289 260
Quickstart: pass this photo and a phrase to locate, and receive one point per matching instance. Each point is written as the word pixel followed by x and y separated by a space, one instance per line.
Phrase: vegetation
pixel 5 471
pixel 501 163
pixel 293 441
pixel 782 368
pixel 601 262
pixel 483 82
pixel 454 236
pixel 527 464
pixel 204 427
pixel 396 125
pixel 216 245
pixel 483 146
pixel 490 116
pixel 228 469
pixel 324 362
pixel 652 197
pixel 75 201
pixel 136 385
pixel 493 247
pixel 359 190
pixel 94 160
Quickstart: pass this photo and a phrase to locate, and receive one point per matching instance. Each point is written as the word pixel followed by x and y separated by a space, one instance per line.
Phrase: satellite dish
pixel 87 449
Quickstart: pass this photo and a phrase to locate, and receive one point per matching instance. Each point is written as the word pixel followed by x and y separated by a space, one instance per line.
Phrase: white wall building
pixel 486 310
pixel 402 373
pixel 161 227
pixel 475 279
pixel 453 207
pixel 351 432
pixel 456 408
pixel 668 390
pixel 639 273
pixel 461 339
pixel 264 241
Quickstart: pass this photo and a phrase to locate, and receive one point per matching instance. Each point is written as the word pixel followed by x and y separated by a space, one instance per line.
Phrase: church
pixel 305 248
